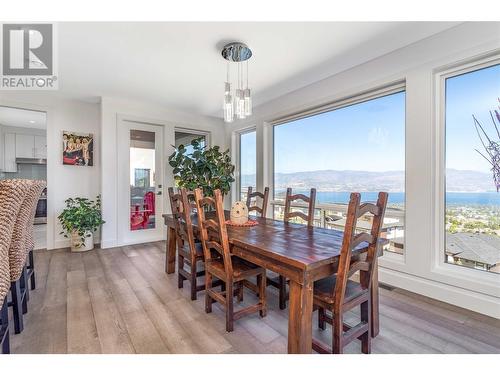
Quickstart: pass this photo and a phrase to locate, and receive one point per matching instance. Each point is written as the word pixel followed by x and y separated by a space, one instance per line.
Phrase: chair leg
pixel 338 333
pixel 229 307
pixel 366 338
pixel 193 280
pixel 17 311
pixel 180 278
pixel 321 318
pixel 282 292
pixel 261 282
pixel 25 291
pixel 208 299
pixel 240 291
pixel 31 268
pixel 4 327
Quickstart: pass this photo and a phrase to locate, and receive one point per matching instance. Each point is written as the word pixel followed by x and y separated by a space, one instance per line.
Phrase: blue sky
pixel 370 136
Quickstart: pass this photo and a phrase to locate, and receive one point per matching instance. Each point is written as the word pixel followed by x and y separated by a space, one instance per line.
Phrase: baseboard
pixel 478 302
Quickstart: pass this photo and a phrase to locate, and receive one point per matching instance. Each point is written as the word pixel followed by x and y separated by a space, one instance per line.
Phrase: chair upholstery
pixel 11 198
pixel 22 236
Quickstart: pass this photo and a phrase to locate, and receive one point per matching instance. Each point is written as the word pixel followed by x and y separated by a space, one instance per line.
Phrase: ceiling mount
pixel 236 52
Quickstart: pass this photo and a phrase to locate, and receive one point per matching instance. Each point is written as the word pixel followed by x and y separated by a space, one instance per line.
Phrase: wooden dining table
pixel 301 254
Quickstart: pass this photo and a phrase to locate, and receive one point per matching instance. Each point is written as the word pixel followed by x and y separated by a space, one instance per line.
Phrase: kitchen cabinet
pixel 9 160
pixel 31 146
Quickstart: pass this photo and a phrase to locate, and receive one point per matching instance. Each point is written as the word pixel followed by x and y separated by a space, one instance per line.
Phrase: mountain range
pixel 391 181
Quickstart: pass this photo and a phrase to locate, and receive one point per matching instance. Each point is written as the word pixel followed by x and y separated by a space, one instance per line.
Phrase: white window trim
pixel 236 193
pixel 470 279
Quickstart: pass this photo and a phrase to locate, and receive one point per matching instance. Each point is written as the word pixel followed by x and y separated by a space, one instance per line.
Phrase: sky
pixel 370 136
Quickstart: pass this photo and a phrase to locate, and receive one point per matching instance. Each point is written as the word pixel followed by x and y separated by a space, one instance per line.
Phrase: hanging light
pixel 241 107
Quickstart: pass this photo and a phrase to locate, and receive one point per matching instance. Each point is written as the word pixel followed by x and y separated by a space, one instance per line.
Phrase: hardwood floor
pixel 121 301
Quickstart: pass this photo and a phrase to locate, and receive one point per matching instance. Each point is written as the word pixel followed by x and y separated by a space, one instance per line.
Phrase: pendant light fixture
pixel 241 106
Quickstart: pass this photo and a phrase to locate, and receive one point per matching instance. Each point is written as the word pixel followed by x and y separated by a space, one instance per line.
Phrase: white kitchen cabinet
pixel 31 146
pixel 40 147
pixel 9 160
pixel 25 146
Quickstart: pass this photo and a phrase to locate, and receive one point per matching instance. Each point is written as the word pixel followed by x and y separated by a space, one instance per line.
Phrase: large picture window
pixel 248 162
pixel 472 120
pixel 356 148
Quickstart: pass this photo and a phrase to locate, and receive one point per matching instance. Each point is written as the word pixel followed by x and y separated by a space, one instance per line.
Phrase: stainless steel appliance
pixel 41 209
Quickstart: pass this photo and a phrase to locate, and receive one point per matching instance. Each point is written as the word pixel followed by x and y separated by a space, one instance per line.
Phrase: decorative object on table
pixel 249 223
pixel 239 213
pixel 204 167
pixel 78 149
pixel 491 147
pixel 241 106
pixel 79 220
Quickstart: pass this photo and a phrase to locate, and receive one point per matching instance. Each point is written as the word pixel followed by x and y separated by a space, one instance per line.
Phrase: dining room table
pixel 301 254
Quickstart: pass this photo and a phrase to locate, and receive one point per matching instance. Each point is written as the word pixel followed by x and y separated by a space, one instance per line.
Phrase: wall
pixel 63 180
pixel 419 270
pixel 114 108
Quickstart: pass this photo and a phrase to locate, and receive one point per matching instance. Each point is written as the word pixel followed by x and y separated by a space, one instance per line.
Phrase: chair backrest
pixel 149 202
pixel 213 229
pixel 37 190
pixel 181 210
pixel 264 198
pixel 347 266
pixel 12 194
pixel 311 200
pixel 18 243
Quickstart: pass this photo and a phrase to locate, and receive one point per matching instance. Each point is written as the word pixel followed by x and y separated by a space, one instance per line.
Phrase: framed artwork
pixel 78 149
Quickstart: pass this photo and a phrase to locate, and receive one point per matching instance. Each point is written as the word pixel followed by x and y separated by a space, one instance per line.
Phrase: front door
pixel 140 182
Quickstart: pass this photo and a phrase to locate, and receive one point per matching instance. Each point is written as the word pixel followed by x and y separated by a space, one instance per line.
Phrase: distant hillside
pixel 392 181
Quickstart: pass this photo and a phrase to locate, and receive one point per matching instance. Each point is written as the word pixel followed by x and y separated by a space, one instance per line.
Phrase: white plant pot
pixel 77 245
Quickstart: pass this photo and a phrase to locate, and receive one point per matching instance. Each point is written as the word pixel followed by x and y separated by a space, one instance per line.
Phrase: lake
pixel 489 198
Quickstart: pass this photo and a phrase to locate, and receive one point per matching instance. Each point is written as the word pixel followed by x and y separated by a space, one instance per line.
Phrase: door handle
pixel 159 193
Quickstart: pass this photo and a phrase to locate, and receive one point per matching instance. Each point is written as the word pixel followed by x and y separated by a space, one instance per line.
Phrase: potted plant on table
pixel 204 167
pixel 79 220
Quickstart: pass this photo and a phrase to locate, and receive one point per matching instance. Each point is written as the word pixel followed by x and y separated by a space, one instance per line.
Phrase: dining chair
pixel 30 238
pixel 18 251
pixel 190 252
pixel 279 281
pixel 11 198
pixel 220 263
pixel 338 293
pixel 264 197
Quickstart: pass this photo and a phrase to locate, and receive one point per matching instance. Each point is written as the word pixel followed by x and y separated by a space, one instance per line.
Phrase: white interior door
pixel 140 182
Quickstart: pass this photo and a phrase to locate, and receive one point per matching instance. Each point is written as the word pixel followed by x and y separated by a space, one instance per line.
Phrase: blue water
pixel 485 199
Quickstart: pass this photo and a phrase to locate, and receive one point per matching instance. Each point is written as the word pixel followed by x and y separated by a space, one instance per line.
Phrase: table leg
pixel 171 250
pixel 375 301
pixel 300 318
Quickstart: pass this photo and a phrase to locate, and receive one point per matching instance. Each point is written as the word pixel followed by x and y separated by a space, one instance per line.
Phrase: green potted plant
pixel 79 220
pixel 203 167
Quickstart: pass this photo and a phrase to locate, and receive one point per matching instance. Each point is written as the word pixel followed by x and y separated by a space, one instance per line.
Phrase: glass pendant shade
pixel 228 108
pixel 240 104
pixel 248 102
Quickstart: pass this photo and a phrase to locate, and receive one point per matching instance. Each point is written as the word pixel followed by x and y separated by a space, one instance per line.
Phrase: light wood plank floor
pixel 121 301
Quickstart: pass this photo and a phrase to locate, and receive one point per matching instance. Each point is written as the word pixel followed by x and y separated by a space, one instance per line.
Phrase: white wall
pixel 416 64
pixel 63 180
pixel 111 110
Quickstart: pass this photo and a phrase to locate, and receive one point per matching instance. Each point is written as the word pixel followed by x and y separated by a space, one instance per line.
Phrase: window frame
pixel 357 98
pixel 463 277
pixel 238 134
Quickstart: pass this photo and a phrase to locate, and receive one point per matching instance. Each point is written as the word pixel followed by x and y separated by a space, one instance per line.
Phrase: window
pixel 472 127
pixel 248 162
pixel 186 137
pixel 359 147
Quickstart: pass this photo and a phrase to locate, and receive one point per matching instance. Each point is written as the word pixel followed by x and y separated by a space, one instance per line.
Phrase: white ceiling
pixel 22 118
pixel 179 64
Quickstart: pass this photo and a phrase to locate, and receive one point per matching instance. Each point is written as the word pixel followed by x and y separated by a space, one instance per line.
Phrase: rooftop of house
pixel 478 247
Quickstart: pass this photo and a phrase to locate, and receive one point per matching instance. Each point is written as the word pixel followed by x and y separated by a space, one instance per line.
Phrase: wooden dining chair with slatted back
pixel 190 252
pixel 338 293
pixel 220 263
pixel 280 282
pixel 264 197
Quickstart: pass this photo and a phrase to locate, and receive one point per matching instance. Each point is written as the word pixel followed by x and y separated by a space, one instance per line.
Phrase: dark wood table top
pixel 294 244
